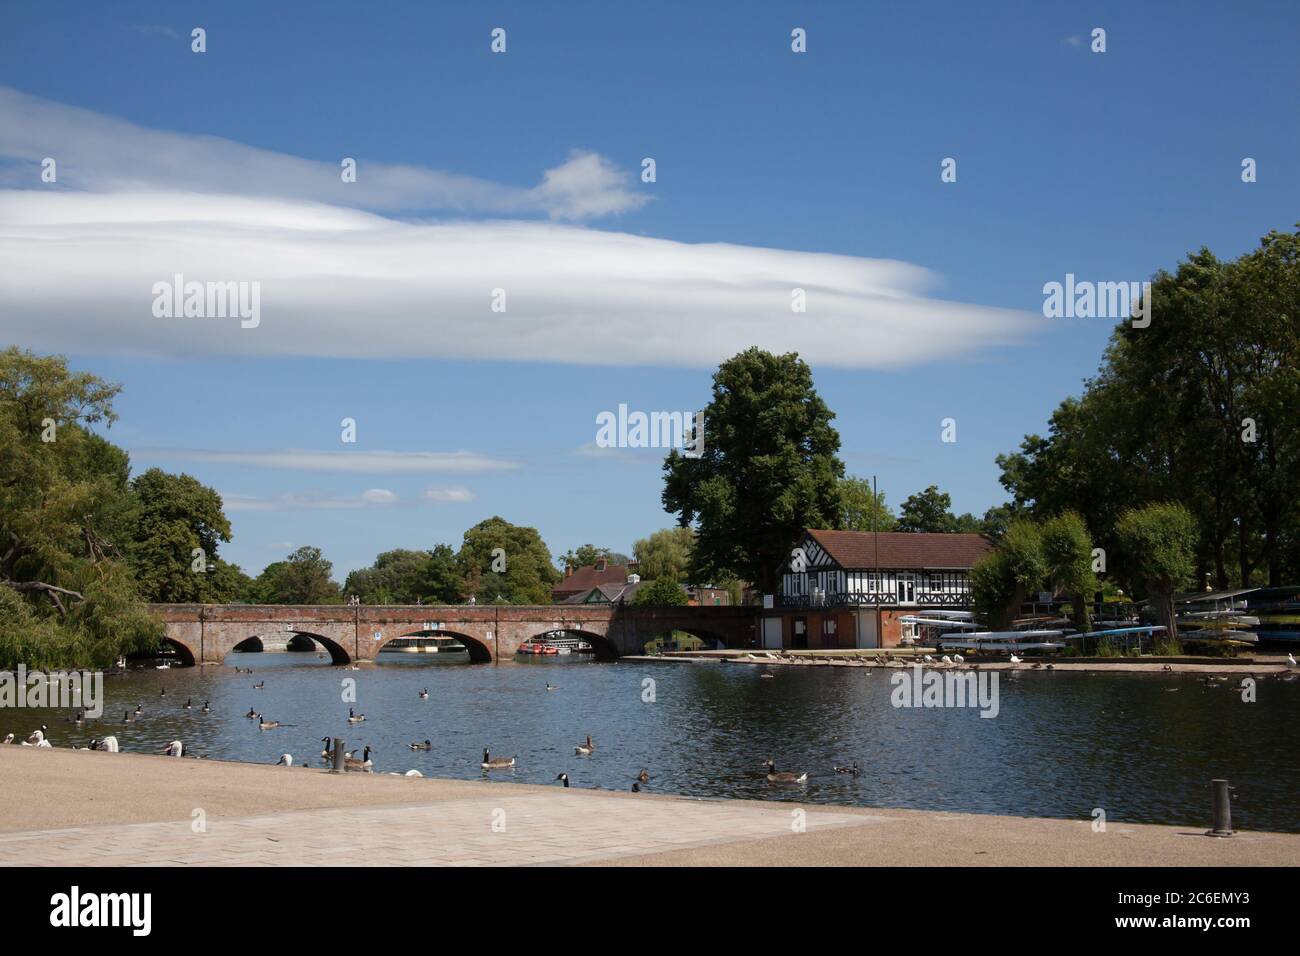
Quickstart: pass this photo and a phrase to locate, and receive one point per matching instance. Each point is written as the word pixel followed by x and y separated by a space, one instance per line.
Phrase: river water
pixel 1141 747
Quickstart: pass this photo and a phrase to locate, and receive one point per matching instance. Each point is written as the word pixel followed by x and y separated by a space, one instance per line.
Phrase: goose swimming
pixel 364 765
pixel 251 713
pixel 852 768
pixel 354 718
pixel 585 750
pixel 206 708
pixel 127 718
pixel 784 777
pixel 643 777
pixel 265 724
pixel 424 694
pixel 189 705
pixel 552 687
pixel 563 778
pixel 259 685
pixel 496 763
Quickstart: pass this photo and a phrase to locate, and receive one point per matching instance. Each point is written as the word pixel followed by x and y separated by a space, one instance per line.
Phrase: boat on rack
pixel 1040 640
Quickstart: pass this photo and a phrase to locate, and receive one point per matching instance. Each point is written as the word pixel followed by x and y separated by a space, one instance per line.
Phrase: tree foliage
pixel 528 574
pixel 1158 544
pixel 662 592
pixel 768 470
pixel 304 577
pixel 408 577
pixel 861 509
pixel 666 554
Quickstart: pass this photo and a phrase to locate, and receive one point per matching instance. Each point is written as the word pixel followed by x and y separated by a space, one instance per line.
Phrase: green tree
pixel 663 592
pixel 304 577
pixel 175 516
pixel 767 471
pixel 67 598
pixel 1159 545
pixel 931 510
pixel 528 574
pixel 861 509
pixel 407 577
pixel 1002 580
pixel 1067 553
pixel 665 554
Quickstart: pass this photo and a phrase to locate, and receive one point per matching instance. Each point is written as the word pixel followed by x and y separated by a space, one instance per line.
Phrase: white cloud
pixel 342 282
pixel 103 153
pixel 309 501
pixel 454 494
pixel 372 462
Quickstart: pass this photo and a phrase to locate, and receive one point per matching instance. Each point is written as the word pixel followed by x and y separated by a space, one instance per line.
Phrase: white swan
pixel 1016 660
pixel 413 773
pixel 958 658
pixel 37 739
pixel 1290 660
pixel 946 659
pixel 108 744
pixel 286 760
pixel 928 659
pixel 174 749
pixel 9 738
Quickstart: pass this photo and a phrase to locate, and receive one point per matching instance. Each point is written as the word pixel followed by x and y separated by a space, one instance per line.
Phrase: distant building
pixel 584 579
pixel 607 593
pixel 704 596
pixel 843 589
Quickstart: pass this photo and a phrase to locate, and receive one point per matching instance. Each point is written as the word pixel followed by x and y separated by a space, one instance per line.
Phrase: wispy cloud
pixel 370 462
pixel 309 501
pixel 102 153
pixel 449 495
pixel 156 29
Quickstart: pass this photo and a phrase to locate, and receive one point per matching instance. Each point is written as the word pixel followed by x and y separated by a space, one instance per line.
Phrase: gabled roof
pixel 589 576
pixel 902 549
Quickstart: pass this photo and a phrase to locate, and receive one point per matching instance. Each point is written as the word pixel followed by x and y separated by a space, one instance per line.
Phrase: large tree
pixel 67 597
pixel 1158 544
pixel 179 523
pixel 304 577
pixel 500 562
pixel 769 469
pixel 861 509
pixel 1067 554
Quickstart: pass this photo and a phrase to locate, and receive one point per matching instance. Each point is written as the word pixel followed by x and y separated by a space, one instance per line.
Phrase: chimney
pixel 600 564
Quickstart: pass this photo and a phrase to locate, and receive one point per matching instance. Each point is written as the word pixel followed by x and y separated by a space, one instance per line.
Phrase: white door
pixel 907 589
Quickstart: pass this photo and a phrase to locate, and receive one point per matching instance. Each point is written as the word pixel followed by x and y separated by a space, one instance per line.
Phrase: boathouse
pixel 847 589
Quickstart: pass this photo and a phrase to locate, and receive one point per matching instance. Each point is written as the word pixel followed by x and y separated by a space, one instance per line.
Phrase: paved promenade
pixel 63 808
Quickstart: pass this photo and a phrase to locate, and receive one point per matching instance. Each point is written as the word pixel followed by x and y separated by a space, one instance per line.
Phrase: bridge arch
pixel 479 652
pixel 249 645
pixel 605 647
pixel 336 651
pixel 185 655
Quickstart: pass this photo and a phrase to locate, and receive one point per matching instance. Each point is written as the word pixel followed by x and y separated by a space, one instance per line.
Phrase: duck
pixel 552 687
pixel 852 768
pixel 424 694
pixel 785 777
pixel 427 745
pixel 364 765
pixel 174 749
pixel 585 750
pixel 286 760
pixel 496 763
pixel 107 744
pixel 251 713
pixel 354 718
pixel 265 724
pixel 563 778
pixel 643 777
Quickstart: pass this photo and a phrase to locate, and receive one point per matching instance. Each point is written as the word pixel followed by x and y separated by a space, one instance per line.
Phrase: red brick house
pixel 588 577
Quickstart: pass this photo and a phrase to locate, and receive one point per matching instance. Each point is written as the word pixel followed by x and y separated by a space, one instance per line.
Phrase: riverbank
pixel 62 807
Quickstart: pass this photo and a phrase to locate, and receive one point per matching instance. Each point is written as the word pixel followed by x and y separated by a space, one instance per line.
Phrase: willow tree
pixel 1002 580
pixel 67 597
pixel 1067 556
pixel 768 469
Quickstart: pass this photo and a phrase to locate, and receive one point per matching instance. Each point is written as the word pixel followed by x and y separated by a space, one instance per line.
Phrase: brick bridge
pixel 206 633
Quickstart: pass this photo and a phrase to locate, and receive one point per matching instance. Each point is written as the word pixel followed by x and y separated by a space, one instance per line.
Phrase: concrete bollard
pixel 1222 809
pixel 338 755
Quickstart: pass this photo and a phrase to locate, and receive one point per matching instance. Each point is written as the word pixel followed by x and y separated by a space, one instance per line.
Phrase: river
pixel 1141 747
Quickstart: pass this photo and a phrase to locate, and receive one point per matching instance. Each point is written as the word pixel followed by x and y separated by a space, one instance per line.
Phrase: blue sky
pixel 1109 166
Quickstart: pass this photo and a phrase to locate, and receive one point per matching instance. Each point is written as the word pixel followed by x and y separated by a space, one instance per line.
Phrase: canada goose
pixel 251 713
pixel 563 778
pixel 206 708
pixel 189 705
pixel 174 749
pixel 424 694
pixel 286 760
pixel 1016 660
pixel 77 718
pixel 427 745
pixel 496 763
pixel 364 765
pixel 127 718
pixel 259 685
pixel 108 745
pixel 852 768
pixel 552 687
pixel 636 787
pixel 585 750
pixel 163 693
pixel 327 752
pixel 354 718
pixel 643 777
pixel 265 724
pixel 785 777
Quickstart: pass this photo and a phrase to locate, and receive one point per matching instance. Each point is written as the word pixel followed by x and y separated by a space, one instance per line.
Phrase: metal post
pixel 1222 809
pixel 338 755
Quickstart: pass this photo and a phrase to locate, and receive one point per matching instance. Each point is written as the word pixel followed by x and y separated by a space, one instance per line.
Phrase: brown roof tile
pixel 588 577
pixel 903 549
